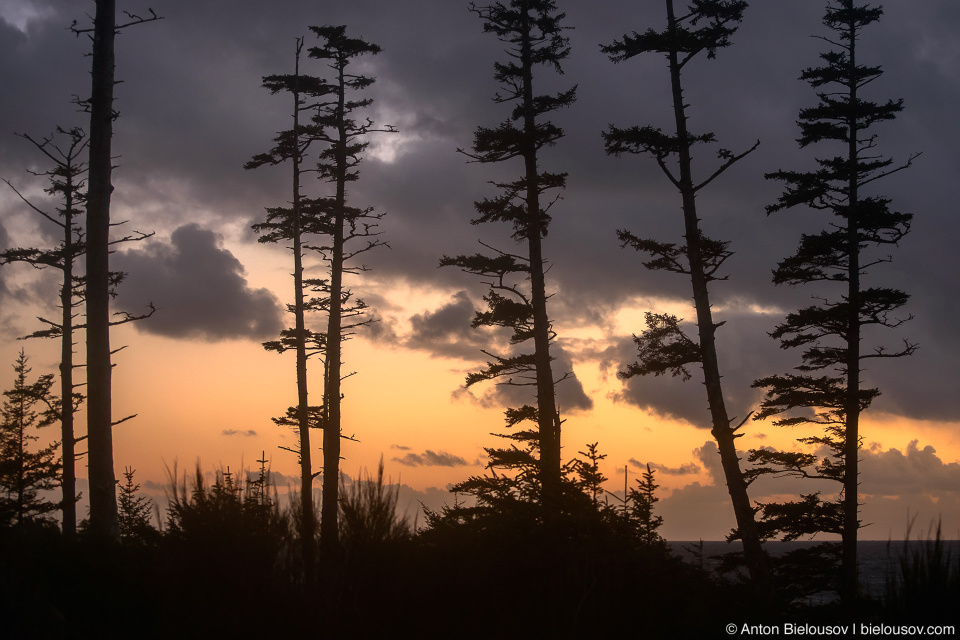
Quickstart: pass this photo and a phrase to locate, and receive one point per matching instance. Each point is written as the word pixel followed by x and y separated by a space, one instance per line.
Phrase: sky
pixel 192 112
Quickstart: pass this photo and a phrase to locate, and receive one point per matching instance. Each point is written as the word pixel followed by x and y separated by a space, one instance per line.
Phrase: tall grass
pixel 368 513
pixel 926 579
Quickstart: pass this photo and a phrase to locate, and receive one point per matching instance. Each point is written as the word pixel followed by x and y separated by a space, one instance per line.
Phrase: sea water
pixel 879 560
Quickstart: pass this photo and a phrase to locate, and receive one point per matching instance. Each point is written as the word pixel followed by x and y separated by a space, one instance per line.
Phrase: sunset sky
pixel 192 112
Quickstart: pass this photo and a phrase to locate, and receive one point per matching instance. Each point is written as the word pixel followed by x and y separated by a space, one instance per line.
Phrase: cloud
pixel 446 331
pixel 570 395
pixel 432 459
pixel 237 432
pixel 699 510
pixel 913 472
pixel 155 486
pixel 741 362
pixel 399 447
pixel 896 485
pixel 429 190
pixel 198 288
pixel 682 470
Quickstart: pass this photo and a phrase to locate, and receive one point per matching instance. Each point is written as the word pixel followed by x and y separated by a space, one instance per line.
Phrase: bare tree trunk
pixel 103 498
pixel 68 483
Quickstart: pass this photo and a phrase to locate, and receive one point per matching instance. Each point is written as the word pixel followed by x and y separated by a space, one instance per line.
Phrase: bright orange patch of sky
pixel 213 402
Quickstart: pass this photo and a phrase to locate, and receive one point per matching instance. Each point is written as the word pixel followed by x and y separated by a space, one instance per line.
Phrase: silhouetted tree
pixel 225 520
pixel 23 472
pixel 344 134
pixel 664 347
pixel 292 224
pixel 103 497
pixel 134 511
pixel 591 477
pixel 533 32
pixel 831 331
pixel 67 183
pixel 507 498
pixel 644 497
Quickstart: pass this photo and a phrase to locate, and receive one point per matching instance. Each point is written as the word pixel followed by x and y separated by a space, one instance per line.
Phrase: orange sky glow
pixel 212 402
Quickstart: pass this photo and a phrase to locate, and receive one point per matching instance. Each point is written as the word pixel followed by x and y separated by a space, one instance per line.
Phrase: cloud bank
pixel 198 288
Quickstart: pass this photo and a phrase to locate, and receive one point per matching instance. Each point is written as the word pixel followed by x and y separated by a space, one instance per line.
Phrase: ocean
pixel 879 559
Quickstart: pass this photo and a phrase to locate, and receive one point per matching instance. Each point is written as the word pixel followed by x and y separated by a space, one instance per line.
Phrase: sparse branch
pixel 133 19
pixel 32 206
pixel 729 159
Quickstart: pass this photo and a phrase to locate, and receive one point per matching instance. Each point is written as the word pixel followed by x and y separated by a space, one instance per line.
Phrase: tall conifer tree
pixel 24 472
pixel 349 231
pixel 67 183
pixel 534 34
pixel 293 224
pixel 832 332
pixel 664 347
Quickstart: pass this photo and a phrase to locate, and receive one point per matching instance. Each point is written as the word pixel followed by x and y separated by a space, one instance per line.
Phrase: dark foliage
pixel 348 232
pixel 534 35
pixel 664 347
pixel 25 469
pixel 135 512
pixel 926 582
pixel 294 225
pixel 826 393
pixel 67 184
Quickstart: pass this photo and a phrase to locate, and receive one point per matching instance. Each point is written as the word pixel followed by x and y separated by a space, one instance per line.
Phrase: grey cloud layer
pixel 198 288
pixel 431 459
pixel 194 113
pixel 897 485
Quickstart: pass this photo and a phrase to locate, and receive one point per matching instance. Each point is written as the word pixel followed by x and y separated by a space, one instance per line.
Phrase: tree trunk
pixel 103 497
pixel 757 563
pixel 68 478
pixel 548 423
pixel 329 528
pixel 851 438
pixel 307 523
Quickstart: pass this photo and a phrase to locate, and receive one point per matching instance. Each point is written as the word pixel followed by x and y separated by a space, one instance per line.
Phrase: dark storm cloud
pixel 192 114
pixel 447 331
pixel 570 394
pixel 740 361
pixel 915 471
pixel 198 288
pixel 431 459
